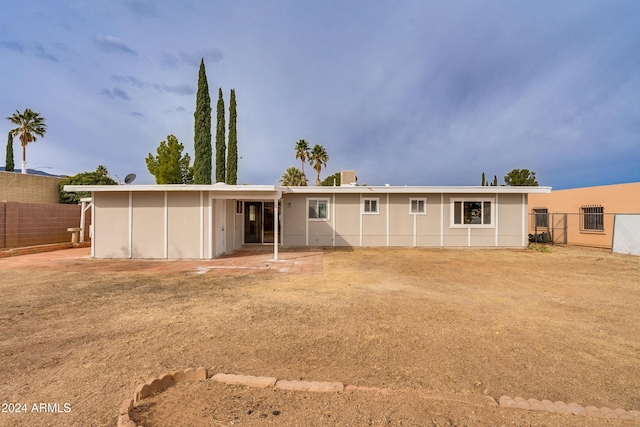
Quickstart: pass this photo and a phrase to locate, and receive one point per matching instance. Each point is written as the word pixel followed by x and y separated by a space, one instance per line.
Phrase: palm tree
pixel 302 153
pixel 292 177
pixel 102 170
pixel 317 159
pixel 29 124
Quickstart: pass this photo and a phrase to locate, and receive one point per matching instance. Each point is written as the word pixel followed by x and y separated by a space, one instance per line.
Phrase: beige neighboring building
pixel 205 221
pixel 583 216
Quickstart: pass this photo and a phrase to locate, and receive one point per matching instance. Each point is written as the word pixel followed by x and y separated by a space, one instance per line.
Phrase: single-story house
pixel 205 221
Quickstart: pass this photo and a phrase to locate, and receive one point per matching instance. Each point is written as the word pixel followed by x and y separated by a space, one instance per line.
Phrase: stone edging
pixel 159 384
pixel 571 408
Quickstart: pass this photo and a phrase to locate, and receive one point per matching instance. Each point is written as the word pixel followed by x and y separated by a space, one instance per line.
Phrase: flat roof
pixel 274 189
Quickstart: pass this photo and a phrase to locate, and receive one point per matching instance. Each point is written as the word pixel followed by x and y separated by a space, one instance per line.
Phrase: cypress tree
pixel 232 158
pixel 483 180
pixel 202 131
pixel 9 166
pixel 220 137
pixel 495 181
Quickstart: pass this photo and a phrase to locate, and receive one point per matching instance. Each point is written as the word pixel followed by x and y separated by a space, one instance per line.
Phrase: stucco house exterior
pixel 583 216
pixel 206 221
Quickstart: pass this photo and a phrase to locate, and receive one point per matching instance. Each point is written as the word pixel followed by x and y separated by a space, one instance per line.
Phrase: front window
pixel 472 213
pixel 318 209
pixel 417 206
pixel 370 206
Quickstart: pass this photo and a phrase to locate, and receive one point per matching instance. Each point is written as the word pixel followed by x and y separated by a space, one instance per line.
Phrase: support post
pixel 276 231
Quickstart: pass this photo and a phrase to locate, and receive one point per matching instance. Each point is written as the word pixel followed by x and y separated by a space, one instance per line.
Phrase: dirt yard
pixel 439 328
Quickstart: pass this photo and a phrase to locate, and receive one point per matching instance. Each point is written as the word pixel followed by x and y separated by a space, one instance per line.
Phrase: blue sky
pixel 404 92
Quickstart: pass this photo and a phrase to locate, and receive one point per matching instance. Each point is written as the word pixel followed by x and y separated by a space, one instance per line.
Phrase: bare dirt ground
pixel 438 328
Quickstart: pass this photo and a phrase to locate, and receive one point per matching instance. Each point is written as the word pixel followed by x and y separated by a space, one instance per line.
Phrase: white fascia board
pixel 271 190
pixel 420 189
pixel 223 188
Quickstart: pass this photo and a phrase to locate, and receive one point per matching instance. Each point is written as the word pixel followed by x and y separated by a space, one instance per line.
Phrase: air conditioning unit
pixel 347 178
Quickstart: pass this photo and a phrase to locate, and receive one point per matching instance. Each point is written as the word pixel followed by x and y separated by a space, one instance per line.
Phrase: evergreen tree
pixel 522 177
pixel 169 166
pixel 220 144
pixel 495 181
pixel 202 131
pixel 232 158
pixel 99 177
pixel 483 180
pixel 9 166
pixel 332 180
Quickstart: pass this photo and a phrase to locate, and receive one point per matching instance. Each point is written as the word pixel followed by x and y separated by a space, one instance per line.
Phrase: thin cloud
pixel 143 8
pixel 183 89
pixel 11 45
pixel 137 114
pixel 128 80
pixel 112 44
pixel 116 92
pixel 181 109
pixel 42 54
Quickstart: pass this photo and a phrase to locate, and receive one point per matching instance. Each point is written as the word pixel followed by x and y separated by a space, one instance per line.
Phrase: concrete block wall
pixel 31 224
pixel 25 188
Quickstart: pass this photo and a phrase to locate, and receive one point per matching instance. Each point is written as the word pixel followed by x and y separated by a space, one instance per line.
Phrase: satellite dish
pixel 129 178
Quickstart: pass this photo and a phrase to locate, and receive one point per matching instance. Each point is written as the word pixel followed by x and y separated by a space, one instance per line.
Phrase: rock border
pixel 156 385
pixel 571 408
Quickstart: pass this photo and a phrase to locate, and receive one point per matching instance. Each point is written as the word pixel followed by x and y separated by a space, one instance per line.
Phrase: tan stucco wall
pixel 111 225
pixel 511 216
pixel 230 232
pixel 184 225
pixel 25 188
pixel 148 225
pixel 295 214
pixel 431 229
pixel 347 211
pixel 618 198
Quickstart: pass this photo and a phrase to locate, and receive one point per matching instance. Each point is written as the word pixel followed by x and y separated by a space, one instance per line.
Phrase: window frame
pixel 463 200
pixel 318 200
pixel 418 199
pixel 541 214
pixel 596 218
pixel 239 207
pixel 364 206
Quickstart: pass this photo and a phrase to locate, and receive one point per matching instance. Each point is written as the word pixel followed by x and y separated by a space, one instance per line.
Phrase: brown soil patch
pixel 427 324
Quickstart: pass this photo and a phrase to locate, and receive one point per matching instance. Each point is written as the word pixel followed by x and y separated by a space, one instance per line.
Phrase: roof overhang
pixel 224 191
pixel 219 190
pixel 420 190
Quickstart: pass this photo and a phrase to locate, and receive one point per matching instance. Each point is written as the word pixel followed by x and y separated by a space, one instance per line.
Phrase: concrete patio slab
pixel 248 260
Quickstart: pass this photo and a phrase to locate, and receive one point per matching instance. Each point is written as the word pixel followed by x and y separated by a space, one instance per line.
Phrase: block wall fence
pixel 31 224
pixel 25 188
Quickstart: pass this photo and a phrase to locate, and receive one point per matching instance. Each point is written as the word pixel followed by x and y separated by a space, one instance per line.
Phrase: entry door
pixel 253 222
